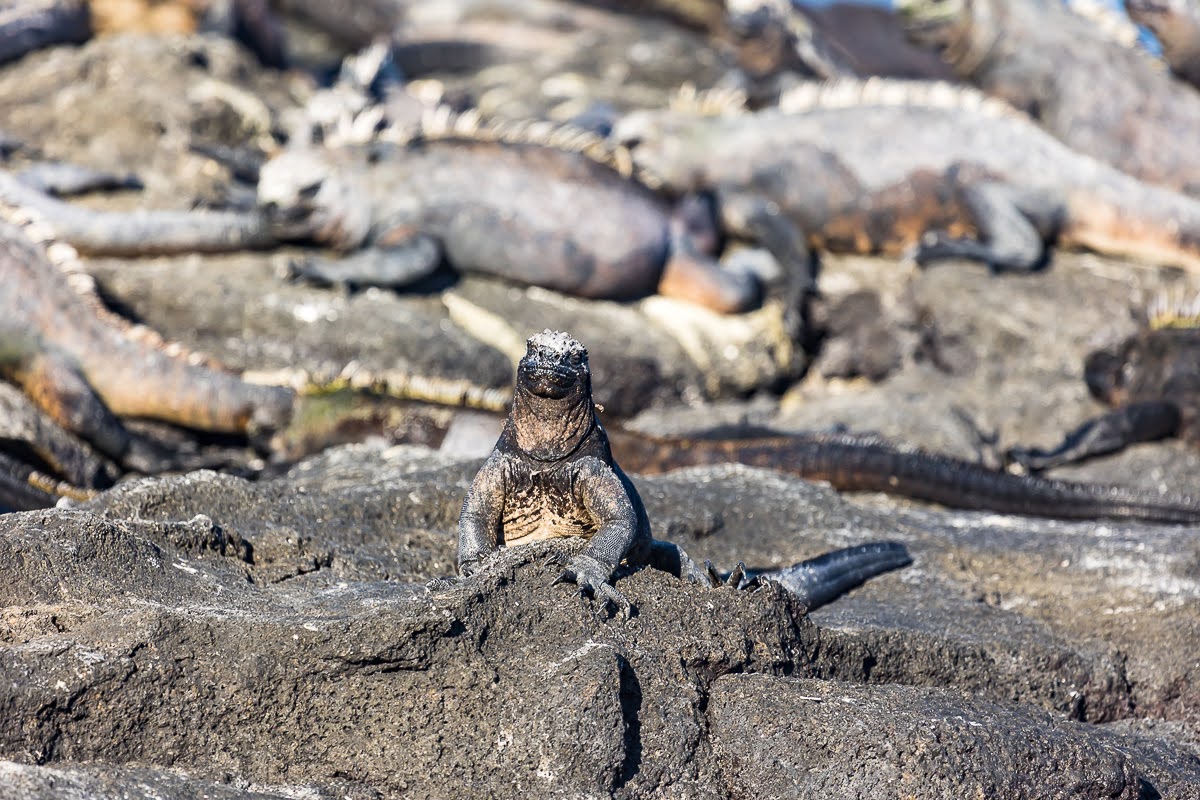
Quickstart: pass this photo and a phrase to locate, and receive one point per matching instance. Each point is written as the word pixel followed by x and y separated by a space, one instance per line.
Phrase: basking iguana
pixel 1096 95
pixel 1152 381
pixel 526 205
pixel 885 166
pixel 85 368
pixel 552 476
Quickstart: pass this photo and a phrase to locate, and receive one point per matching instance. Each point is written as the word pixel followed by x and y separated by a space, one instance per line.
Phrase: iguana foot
pixel 592 578
pixel 737 579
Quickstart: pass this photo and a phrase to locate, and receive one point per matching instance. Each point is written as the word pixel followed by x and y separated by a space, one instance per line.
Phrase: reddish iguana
pixel 881 166
pixel 552 476
pixel 84 367
pixel 1099 97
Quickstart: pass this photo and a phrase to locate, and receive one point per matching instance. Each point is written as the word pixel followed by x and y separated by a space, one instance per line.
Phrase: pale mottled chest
pixel 543 505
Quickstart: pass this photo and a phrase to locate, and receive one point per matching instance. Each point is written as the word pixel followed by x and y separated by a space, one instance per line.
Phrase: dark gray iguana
pixel 526 206
pixel 522 203
pixel 1152 382
pixel 884 166
pixel 552 476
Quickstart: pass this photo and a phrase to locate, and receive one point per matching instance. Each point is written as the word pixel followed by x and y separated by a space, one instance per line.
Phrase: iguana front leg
pixel 604 497
pixel 1108 433
pixel 763 222
pixel 392 266
pixel 479 522
pixel 1012 228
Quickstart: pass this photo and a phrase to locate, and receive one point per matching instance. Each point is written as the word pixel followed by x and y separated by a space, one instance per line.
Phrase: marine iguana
pixel 552 476
pixel 1099 97
pixel 506 201
pixel 883 166
pixel 1176 25
pixel 84 366
pixel 1152 381
pixel 850 462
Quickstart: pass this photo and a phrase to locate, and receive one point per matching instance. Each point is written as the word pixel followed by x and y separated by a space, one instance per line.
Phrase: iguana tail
pixel 1125 217
pixel 872 464
pixel 823 579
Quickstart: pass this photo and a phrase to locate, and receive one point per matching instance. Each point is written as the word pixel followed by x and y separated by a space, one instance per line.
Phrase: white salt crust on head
pixel 557 342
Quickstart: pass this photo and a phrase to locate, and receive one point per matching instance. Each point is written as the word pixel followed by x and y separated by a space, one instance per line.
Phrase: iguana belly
pixel 544 507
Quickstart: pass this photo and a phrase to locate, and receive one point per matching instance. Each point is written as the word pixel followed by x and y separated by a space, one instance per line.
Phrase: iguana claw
pixel 592 578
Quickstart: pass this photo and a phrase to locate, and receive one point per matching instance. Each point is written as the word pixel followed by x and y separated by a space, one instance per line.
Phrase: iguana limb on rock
pixel 141 232
pixel 1152 381
pixel 552 476
pixel 893 167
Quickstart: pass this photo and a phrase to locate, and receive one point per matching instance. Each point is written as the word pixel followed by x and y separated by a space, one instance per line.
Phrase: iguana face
pixel 312 198
pixel 665 144
pixel 555 367
pixel 932 23
pixel 1154 364
pixel 552 404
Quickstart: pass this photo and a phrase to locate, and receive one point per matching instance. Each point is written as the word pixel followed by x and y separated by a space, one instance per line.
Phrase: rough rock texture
pixel 75 104
pixel 203 635
pixel 286 632
pixel 788 738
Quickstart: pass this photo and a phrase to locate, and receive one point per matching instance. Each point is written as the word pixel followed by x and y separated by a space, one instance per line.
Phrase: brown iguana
pixel 883 166
pixel 1176 25
pixel 552 476
pixel 523 202
pixel 1097 96
pixel 1152 381
pixel 85 367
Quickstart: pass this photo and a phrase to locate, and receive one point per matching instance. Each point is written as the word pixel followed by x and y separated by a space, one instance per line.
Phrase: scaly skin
pixel 1152 381
pixel 510 210
pixel 865 463
pixel 552 476
pixel 84 369
pixel 1049 62
pixel 884 166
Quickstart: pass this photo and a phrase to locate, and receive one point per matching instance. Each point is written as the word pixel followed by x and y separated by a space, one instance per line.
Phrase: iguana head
pixel 1156 363
pixel 962 31
pixel 310 197
pixel 1171 21
pixel 664 144
pixel 552 403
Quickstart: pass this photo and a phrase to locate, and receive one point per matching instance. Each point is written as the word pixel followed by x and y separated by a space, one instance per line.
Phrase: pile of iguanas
pixel 641 203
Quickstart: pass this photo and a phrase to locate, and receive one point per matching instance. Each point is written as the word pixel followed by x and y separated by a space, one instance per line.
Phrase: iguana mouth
pixel 545 380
